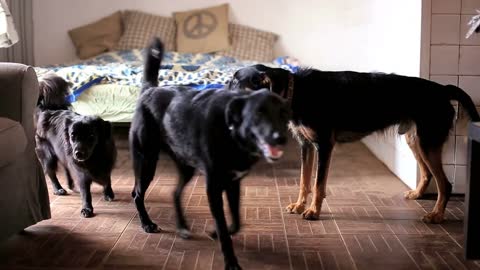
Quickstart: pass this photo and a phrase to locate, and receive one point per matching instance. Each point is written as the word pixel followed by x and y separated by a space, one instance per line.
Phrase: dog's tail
pixel 455 93
pixel 53 91
pixel 153 59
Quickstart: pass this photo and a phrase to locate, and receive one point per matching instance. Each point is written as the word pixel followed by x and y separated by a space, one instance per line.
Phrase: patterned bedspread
pixel 201 71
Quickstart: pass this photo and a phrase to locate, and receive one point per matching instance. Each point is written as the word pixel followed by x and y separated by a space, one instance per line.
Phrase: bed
pixel 108 85
pixel 108 79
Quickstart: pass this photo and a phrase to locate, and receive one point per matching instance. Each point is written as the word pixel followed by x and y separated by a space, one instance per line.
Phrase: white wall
pixel 361 35
pixel 394 152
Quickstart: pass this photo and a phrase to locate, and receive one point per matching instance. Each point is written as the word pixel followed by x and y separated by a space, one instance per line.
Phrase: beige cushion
pixel 97 37
pixel 202 30
pixel 141 27
pixel 250 44
pixel 12 141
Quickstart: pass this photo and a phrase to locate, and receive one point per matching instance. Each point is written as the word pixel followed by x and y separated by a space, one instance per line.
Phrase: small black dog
pixel 82 144
pixel 221 133
pixel 337 107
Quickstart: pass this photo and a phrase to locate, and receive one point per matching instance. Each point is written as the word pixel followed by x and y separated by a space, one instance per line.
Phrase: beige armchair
pixel 23 190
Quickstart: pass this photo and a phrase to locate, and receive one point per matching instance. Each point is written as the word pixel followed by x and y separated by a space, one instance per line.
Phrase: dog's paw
pixel 311 214
pixel 184 233
pixel 87 212
pixel 151 228
pixel 295 208
pixel 60 192
pixel 233 266
pixel 411 195
pixel 232 231
pixel 75 190
pixel 108 197
pixel 433 218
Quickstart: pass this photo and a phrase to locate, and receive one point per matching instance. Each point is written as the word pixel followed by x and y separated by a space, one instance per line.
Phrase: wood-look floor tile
pixel 364 224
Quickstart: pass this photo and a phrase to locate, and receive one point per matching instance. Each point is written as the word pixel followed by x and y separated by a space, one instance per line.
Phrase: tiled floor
pixel 365 224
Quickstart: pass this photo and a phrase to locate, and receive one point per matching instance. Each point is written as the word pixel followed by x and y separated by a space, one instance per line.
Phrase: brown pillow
pixel 141 27
pixel 250 44
pixel 202 30
pixel 97 37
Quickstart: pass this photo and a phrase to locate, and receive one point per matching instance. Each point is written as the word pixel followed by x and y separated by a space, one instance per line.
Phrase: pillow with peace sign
pixel 202 30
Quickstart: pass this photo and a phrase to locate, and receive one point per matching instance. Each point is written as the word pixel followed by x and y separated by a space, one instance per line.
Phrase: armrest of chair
pixel 18 94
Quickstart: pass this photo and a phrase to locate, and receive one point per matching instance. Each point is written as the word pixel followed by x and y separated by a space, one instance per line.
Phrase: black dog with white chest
pixel 330 107
pixel 220 133
pixel 84 145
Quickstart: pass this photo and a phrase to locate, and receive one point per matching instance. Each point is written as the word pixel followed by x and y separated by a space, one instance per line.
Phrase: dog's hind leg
pixel 108 194
pixel 144 168
pixel 144 138
pixel 433 158
pixel 50 165
pixel 425 174
pixel 185 174
pixel 70 181
pixel 308 158
pixel 324 151
pixel 432 133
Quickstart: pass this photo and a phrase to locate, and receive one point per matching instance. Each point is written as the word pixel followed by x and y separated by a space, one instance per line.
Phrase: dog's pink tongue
pixel 275 152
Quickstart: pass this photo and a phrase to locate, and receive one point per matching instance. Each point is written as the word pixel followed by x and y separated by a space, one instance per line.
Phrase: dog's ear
pixel 233 82
pixel 104 128
pixel 233 114
pixel 263 80
pixel 107 129
pixel 277 80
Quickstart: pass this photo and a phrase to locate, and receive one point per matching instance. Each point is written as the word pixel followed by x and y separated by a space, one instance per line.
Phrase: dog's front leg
pixel 233 196
pixel 308 158
pixel 84 185
pixel 214 194
pixel 324 151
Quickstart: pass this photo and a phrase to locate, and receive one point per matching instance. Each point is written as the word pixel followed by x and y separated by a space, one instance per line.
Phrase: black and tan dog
pixel 337 107
pixel 220 133
pixel 84 145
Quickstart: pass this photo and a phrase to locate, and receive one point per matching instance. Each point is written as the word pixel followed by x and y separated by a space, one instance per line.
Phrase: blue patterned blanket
pixel 201 71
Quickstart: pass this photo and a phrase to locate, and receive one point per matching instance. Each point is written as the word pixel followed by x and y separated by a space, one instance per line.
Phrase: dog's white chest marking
pixel 239 174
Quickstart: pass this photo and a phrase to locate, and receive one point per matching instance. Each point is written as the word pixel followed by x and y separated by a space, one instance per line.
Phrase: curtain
pixel 22 51
pixel 8 34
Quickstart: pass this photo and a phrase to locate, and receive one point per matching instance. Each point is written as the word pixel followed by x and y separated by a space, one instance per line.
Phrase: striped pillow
pixel 141 27
pixel 250 44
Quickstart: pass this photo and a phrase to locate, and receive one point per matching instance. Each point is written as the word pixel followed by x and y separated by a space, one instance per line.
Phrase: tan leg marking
pixel 320 187
pixel 308 158
pixel 425 174
pixel 433 159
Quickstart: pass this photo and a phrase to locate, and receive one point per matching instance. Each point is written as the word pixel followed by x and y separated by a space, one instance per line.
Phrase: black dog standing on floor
pixel 82 144
pixel 221 133
pixel 338 107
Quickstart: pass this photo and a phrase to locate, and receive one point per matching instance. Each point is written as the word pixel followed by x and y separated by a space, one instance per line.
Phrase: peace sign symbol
pixel 200 24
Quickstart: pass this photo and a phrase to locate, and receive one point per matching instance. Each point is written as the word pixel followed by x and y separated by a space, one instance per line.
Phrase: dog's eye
pixel 256 81
pixel 261 112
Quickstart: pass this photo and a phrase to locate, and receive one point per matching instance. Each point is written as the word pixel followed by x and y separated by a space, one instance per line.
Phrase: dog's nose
pixel 279 138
